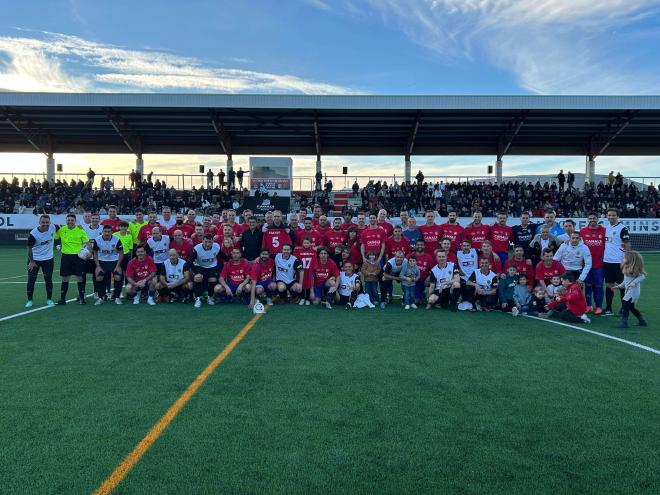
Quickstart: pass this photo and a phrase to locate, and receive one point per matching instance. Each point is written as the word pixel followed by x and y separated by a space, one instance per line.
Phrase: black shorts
pixel 444 295
pixel 108 266
pixel 71 266
pixel 289 285
pixel 46 266
pixel 613 273
pixel 207 273
pixel 89 266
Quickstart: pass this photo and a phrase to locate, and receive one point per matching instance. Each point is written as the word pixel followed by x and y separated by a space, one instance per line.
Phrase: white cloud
pixel 49 64
pixel 550 46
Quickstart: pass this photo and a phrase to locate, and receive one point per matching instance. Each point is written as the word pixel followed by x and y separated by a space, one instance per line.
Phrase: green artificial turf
pixel 318 401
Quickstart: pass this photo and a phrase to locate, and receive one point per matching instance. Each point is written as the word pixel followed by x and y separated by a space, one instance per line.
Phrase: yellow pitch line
pixel 120 472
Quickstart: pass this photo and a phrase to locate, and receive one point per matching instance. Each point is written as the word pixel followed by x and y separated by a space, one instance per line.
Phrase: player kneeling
pixel 234 279
pixel 324 278
pixel 349 286
pixel 289 274
pixel 141 277
pixel 174 279
pixel 261 276
pixel 445 283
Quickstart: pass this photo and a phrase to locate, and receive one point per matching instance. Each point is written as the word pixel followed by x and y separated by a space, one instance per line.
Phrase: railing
pixel 302 183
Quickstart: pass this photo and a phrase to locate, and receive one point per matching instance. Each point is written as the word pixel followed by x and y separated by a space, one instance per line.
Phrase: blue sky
pixel 330 47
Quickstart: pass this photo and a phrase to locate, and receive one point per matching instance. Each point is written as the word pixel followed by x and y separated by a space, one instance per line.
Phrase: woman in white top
pixel 632 268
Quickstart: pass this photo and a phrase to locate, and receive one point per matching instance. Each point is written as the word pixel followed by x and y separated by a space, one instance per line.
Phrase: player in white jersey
pixel 158 245
pixel 484 283
pixel 93 229
pixel 574 256
pixel 40 256
pixel 445 283
pixel 174 280
pixel 617 242
pixel 108 256
pixel 467 260
pixel 167 221
pixel 204 257
pixel 288 274
pixel 391 271
pixel 349 286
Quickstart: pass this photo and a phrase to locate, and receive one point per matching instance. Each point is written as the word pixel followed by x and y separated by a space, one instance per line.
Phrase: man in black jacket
pixel 251 239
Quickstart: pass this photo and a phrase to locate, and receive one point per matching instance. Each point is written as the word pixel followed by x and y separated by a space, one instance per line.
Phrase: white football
pixel 84 254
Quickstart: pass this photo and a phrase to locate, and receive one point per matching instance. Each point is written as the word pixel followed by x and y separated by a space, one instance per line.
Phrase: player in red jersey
pixel 453 230
pixel 315 237
pixel 262 275
pixel 493 259
pixel 336 236
pixel 209 228
pixel 325 275
pixel 276 234
pixel 182 246
pixel 476 231
pixel 361 222
pixel 522 264
pixel 236 229
pixel 141 277
pixel 396 242
pixel 373 238
pixel 424 262
pixel 501 237
pixel 178 222
pixel 383 223
pixel 198 236
pixel 323 226
pixel 145 231
pixel 446 246
pixel 316 215
pixel 306 254
pixel 113 220
pixel 547 268
pixel 188 227
pixel 234 278
pixel 348 221
pixel 593 236
pixel 431 232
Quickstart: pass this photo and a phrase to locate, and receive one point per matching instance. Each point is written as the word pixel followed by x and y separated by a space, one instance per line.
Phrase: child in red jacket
pixel 572 305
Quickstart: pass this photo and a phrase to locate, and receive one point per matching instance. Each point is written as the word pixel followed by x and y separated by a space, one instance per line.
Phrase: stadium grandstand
pixel 165 264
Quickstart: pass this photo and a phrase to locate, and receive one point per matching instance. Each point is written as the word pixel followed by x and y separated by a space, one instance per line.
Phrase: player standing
pixel 617 243
pixel 501 237
pixel 452 229
pixel 73 239
pixel 431 233
pixel 205 269
pixel 108 257
pixel 40 257
pixel 593 236
pixel 476 231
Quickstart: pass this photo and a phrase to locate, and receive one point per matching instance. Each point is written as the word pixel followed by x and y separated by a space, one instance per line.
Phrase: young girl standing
pixel 633 274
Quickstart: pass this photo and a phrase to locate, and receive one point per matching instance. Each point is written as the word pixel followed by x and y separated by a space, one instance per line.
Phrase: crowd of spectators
pixel 77 196
pixel 513 197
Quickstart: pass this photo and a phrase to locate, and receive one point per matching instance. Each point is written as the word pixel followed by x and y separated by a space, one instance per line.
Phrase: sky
pixel 333 47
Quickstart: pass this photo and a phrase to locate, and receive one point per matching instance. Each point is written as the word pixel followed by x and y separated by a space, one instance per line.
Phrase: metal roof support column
pixel 50 168
pixel 498 170
pixel 139 165
pixel 590 170
pixel 318 163
pixel 407 169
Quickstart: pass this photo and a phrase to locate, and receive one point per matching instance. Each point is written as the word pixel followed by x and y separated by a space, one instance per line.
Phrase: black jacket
pixel 251 243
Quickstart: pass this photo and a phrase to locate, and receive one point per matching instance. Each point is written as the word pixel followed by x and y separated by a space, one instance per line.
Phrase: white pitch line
pixel 604 335
pixel 23 313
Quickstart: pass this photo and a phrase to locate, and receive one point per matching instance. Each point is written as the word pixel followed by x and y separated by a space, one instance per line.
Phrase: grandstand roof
pixel 329 125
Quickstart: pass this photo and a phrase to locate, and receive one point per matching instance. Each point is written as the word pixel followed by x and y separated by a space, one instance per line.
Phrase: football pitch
pixel 309 400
